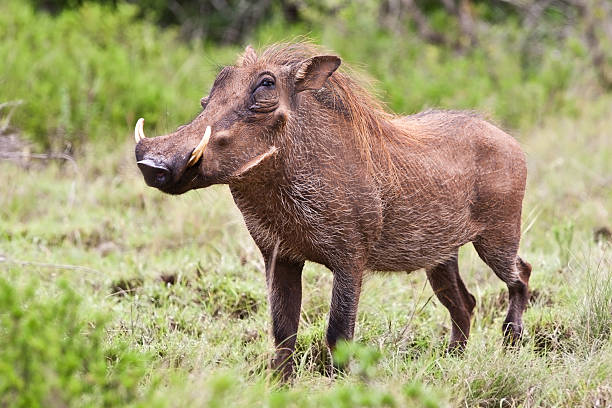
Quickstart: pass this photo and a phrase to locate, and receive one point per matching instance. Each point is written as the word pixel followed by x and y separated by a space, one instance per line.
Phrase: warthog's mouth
pixel 196 154
pixel 175 175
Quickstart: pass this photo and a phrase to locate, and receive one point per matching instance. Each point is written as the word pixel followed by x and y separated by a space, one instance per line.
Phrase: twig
pixel 426 32
pixel 402 339
pixel 12 105
pixel 49 265
pixel 462 10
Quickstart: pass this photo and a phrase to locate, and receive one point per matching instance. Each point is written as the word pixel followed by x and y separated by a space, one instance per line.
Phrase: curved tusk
pixel 199 150
pixel 138 130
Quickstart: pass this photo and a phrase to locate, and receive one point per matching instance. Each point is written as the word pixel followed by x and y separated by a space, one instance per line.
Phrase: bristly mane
pixel 371 122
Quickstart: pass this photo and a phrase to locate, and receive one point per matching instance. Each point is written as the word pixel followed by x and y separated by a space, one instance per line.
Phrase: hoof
pixel 513 332
pixel 456 348
pixel 282 367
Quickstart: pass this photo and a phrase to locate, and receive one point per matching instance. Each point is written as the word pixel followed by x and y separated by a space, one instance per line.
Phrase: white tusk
pixel 138 130
pixel 199 150
pixel 256 161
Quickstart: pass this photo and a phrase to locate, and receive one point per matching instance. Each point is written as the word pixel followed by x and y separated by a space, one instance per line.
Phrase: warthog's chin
pixel 189 181
pixel 175 189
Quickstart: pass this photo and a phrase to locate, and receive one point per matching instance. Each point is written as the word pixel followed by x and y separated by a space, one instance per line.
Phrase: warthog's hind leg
pixel 509 267
pixel 452 293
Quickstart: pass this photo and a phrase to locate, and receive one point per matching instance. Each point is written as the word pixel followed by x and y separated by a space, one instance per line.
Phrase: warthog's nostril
pixel 155 174
pixel 160 177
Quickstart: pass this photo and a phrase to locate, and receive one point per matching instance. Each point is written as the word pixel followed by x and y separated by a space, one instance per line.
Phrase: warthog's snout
pixel 155 174
pixel 167 162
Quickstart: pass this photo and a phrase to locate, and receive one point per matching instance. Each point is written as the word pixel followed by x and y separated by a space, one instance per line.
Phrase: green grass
pixel 174 288
pixel 113 294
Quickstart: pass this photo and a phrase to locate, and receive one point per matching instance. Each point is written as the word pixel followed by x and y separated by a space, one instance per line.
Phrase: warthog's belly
pixel 422 235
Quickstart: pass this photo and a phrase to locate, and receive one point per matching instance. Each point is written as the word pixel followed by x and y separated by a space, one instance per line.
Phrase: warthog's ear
pixel 313 72
pixel 248 57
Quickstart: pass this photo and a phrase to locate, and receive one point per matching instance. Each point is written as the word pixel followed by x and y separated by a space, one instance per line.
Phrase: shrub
pixel 51 356
pixel 89 73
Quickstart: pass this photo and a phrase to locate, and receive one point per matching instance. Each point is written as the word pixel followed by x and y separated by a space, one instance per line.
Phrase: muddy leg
pixel 343 309
pixel 285 297
pixel 515 272
pixel 452 293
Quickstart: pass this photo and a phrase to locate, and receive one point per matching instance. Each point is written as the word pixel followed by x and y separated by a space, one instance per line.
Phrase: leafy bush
pixel 50 356
pixel 227 21
pixel 414 75
pixel 89 72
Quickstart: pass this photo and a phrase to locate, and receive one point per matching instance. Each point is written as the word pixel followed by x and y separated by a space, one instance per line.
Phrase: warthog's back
pixel 461 176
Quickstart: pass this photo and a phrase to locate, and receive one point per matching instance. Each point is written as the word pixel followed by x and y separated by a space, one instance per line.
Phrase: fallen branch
pixel 49 265
pixel 43 156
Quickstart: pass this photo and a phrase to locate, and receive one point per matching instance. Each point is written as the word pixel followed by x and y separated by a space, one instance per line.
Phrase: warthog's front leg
pixel 285 295
pixel 343 308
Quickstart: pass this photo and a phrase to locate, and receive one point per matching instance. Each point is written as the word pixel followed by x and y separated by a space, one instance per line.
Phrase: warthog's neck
pixel 276 211
pixel 318 207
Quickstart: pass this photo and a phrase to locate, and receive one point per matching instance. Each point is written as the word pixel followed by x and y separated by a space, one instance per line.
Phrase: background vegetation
pixel 113 294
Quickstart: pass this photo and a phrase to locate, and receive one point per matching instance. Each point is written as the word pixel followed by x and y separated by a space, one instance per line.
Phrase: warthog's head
pixel 238 129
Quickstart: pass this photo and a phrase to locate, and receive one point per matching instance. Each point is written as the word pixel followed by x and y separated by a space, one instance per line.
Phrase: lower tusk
pixel 138 130
pixel 256 161
pixel 199 150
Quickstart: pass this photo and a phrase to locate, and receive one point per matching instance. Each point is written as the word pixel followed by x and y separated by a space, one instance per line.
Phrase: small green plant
pixel 50 356
pixel 564 236
pixel 364 358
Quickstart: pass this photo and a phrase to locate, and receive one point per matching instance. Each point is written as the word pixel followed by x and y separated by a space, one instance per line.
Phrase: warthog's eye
pixel 264 97
pixel 266 83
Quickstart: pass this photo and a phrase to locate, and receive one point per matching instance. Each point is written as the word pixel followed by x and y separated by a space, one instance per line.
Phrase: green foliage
pixel 51 356
pixel 227 21
pixel 489 78
pixel 88 73
pixel 416 392
pixel 365 358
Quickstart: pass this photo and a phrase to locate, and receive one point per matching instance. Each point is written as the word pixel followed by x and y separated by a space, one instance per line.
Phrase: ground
pixel 180 288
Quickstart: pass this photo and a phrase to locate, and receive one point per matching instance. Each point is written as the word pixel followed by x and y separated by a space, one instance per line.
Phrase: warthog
pixel 322 173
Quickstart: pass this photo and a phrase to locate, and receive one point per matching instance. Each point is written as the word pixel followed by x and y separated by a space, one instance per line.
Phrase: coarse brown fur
pixel 321 172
